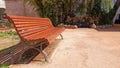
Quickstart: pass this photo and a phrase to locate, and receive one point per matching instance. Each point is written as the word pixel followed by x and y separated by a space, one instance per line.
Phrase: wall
pixel 17 7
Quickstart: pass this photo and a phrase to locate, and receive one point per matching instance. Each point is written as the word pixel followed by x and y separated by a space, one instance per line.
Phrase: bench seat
pixel 48 34
pixel 31 29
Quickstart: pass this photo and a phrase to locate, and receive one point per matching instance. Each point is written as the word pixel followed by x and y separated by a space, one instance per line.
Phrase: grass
pixel 7 39
pixel 7 34
pixel 4 66
pixel 3 47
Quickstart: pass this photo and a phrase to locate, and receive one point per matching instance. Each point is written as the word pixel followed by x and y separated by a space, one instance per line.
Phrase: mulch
pixel 111 29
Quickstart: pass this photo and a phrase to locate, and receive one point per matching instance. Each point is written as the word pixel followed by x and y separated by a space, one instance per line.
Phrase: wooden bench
pixel 34 32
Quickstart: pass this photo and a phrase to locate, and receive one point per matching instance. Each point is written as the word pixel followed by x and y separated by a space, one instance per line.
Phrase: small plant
pixel 7 34
pixel 4 66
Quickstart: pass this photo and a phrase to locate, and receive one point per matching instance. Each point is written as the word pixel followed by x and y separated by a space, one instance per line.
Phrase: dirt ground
pixel 7 39
pixel 83 48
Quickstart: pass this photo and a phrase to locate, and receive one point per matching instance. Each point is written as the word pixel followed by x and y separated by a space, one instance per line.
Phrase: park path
pixel 83 48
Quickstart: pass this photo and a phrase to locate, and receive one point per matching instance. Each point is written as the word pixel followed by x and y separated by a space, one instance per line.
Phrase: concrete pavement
pixel 83 48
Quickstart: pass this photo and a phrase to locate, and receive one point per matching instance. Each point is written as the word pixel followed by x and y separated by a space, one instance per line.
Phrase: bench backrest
pixel 27 26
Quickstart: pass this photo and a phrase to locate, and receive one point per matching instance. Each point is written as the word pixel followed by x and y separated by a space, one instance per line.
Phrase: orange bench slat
pixel 32 29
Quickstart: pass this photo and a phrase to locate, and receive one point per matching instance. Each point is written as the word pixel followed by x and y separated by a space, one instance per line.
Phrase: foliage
pixel 113 11
pixel 7 34
pixel 106 5
pixel 58 10
pixel 96 10
pixel 104 18
pixel 100 11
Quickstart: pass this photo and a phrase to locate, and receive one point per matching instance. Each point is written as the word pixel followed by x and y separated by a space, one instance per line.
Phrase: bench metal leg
pixel 44 54
pixel 61 36
pixel 38 49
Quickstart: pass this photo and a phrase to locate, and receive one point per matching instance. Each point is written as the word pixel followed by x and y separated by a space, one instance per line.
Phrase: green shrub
pixel 8 33
pixel 104 18
pixel 4 66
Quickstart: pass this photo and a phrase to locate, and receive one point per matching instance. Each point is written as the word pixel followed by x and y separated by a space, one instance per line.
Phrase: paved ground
pixel 83 48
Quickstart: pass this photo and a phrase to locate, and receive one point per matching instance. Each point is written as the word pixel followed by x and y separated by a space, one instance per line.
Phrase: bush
pixel 104 18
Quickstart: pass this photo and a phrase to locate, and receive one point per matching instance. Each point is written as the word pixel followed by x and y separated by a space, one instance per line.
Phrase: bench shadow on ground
pixel 49 51
pixel 38 57
pixel 109 29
